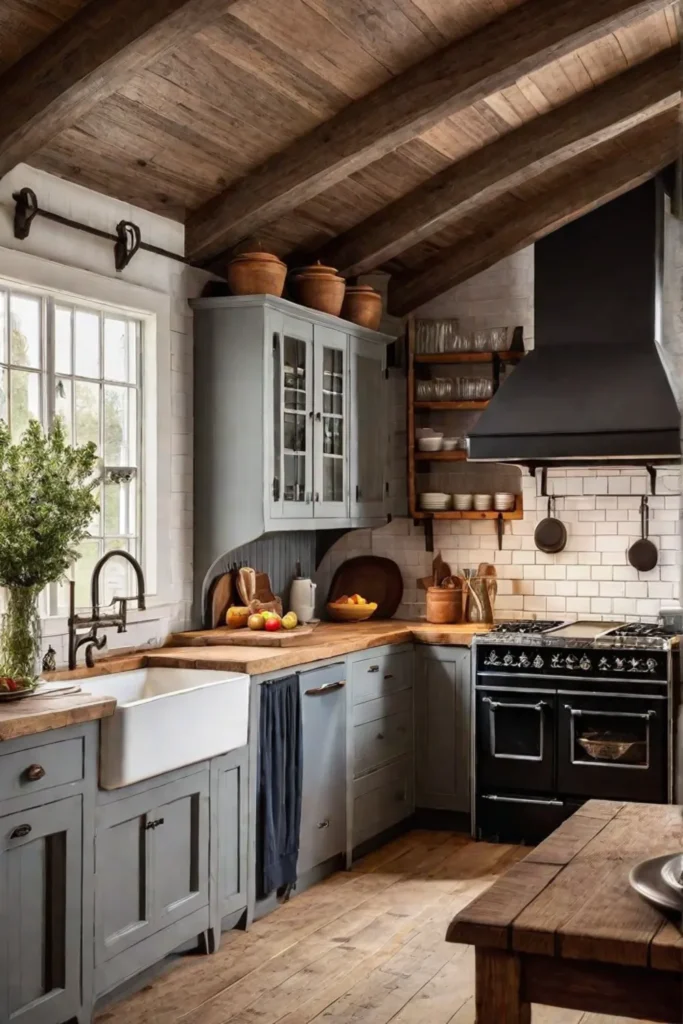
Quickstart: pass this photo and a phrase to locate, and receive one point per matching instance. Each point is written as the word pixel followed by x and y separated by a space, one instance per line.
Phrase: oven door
pixel 515 740
pixel 612 746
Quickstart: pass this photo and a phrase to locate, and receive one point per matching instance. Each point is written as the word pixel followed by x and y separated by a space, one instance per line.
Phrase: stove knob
pixel 651 665
pixel 570 662
pixel 634 665
pixel 524 660
pixel 619 664
pixel 603 665
pixel 585 663
pixel 492 659
pixel 508 660
pixel 556 661
pixel 538 661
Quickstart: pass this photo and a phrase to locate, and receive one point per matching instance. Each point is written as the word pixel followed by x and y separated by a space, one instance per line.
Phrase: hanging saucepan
pixel 643 554
pixel 550 536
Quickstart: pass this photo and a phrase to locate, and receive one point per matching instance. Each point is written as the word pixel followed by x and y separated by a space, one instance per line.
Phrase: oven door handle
pixel 495 704
pixel 579 712
pixel 522 800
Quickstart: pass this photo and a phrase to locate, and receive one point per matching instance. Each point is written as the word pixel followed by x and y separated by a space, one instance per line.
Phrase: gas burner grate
pixel 644 629
pixel 528 626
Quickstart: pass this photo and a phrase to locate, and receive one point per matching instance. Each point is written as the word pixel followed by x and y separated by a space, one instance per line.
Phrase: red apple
pixel 273 623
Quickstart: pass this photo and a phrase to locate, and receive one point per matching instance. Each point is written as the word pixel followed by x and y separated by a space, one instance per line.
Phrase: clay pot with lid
pixel 256 273
pixel 362 306
pixel 321 288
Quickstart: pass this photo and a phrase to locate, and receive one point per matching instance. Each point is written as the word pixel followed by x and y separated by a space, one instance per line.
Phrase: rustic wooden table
pixel 563 927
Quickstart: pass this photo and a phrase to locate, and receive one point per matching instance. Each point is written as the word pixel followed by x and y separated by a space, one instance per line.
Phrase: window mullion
pixel 48 370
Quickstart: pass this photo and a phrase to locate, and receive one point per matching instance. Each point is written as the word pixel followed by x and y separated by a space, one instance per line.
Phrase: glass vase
pixel 20 635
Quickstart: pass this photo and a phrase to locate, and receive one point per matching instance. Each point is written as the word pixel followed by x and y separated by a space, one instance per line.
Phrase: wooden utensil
pixel 220 598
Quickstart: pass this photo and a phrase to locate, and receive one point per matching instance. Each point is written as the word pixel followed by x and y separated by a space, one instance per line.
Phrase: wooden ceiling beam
pixel 85 60
pixel 587 121
pixel 468 70
pixel 644 150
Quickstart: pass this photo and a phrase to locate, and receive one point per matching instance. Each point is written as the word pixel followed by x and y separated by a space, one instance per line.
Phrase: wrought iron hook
pixel 127 244
pixel 25 210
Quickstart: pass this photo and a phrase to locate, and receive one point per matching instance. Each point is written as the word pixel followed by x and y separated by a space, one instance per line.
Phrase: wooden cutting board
pixel 220 598
pixel 252 637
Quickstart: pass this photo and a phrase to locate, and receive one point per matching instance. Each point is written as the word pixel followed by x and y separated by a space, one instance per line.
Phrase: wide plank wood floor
pixel 364 947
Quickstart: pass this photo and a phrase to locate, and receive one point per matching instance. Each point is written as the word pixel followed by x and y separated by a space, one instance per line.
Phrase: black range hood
pixel 594 388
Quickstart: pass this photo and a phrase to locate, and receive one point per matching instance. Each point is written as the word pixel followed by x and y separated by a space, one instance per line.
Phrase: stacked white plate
pixel 435 501
pixel 462 502
pixel 503 501
pixel 482 502
pixel 434 443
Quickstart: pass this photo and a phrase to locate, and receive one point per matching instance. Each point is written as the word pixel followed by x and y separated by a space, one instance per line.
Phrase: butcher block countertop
pixel 329 640
pixel 41 714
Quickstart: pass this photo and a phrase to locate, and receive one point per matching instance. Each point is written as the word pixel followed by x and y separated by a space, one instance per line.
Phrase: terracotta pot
pixel 256 273
pixel 444 605
pixel 363 306
pixel 321 288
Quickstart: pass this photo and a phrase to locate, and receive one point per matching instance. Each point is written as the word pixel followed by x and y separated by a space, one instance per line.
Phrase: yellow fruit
pixel 237 617
pixel 290 621
pixel 350 601
pixel 256 621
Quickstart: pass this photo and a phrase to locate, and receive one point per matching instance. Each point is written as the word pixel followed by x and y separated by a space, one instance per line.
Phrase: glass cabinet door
pixel 331 405
pixel 292 485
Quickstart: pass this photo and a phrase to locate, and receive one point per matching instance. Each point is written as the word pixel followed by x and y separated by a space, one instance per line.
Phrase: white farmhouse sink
pixel 166 718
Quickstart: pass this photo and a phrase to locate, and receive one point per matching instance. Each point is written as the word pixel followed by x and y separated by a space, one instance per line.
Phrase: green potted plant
pixel 47 503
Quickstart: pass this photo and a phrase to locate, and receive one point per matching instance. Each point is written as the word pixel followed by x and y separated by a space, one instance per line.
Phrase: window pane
pixel 62 339
pixel 87 343
pixel 3 327
pixel 90 552
pixel 3 394
pixel 116 355
pixel 24 400
pixel 133 334
pixel 119 426
pixel 119 580
pixel 87 412
pixel 114 509
pixel 25 330
pixel 63 405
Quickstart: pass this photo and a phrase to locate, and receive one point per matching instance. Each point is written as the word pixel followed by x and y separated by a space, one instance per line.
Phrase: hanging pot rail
pixel 127 240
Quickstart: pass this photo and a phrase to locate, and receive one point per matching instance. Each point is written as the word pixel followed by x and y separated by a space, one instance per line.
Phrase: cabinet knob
pixel 154 824
pixel 389 676
pixel 324 824
pixel 374 668
pixel 20 832
pixel 380 735
pixel 34 772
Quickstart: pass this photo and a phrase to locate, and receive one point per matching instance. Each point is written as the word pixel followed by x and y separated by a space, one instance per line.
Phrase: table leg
pixel 499 989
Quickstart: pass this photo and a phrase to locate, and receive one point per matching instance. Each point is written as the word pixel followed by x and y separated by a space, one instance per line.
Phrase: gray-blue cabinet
pixel 443 728
pixel 230 821
pixel 151 871
pixel 40 912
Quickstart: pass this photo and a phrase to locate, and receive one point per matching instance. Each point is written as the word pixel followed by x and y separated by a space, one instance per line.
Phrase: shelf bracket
pixel 500 526
pixel 429 534
pixel 652 473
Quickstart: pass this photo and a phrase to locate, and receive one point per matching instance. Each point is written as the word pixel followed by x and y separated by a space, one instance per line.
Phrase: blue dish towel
pixel 280 768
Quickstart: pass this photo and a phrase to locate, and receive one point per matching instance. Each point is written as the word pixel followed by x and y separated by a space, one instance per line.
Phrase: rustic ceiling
pixel 428 137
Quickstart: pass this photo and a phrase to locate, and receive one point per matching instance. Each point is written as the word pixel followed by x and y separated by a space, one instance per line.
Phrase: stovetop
pixel 526 626
pixel 585 634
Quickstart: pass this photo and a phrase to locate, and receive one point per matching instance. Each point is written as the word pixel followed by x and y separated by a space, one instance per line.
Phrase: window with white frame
pixel 82 363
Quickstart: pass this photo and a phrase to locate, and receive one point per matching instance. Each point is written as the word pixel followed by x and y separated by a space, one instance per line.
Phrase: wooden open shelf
pixel 516 513
pixel 479 403
pixel 444 358
pixel 459 455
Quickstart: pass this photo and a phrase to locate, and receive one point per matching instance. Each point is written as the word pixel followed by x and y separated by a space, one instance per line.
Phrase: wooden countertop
pixel 329 640
pixel 41 714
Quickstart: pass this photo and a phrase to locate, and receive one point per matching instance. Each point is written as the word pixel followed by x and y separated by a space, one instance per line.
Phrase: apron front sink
pixel 166 718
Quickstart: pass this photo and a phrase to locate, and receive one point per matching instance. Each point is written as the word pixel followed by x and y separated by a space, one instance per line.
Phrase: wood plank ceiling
pixel 425 137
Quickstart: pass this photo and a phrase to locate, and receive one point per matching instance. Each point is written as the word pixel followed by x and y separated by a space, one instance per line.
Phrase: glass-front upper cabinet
pixel 369 431
pixel 292 484
pixel 330 464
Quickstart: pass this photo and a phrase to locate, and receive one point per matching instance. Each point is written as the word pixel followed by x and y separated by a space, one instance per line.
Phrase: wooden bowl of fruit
pixel 351 609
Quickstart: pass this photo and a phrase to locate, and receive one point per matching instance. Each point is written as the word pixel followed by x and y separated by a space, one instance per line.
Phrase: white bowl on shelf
pixel 463 502
pixel 451 444
pixel 483 502
pixel 503 501
pixel 434 443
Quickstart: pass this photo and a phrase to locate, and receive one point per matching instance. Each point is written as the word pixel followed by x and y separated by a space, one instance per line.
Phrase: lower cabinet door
pixel 40 913
pixel 442 711
pixel 151 861
pixel 232 795
pixel 180 848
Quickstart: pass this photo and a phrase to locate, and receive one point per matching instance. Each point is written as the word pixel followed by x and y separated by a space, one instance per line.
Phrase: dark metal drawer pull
pixel 320 691
pixel 579 712
pixel 494 704
pixel 374 668
pixel 380 735
pixel 20 832
pixel 154 824
pixel 324 824
pixel 34 772
pixel 389 676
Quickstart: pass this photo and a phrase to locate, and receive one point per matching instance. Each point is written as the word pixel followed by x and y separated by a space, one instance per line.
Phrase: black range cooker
pixel 566 712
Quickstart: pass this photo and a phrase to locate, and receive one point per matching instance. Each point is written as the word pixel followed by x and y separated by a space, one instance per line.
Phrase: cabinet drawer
pixel 383 707
pixel 375 743
pixel 38 768
pixel 378 677
pixel 382 799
